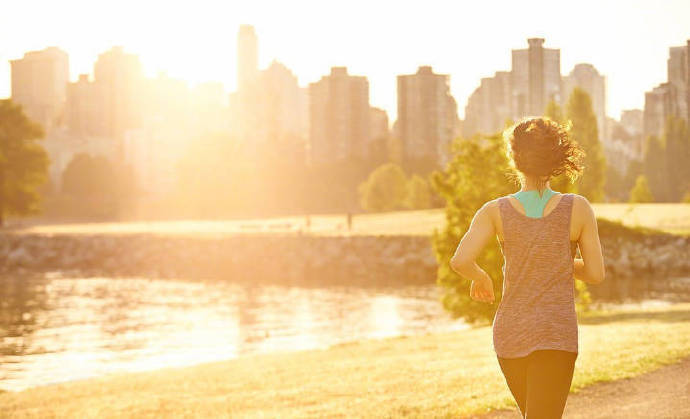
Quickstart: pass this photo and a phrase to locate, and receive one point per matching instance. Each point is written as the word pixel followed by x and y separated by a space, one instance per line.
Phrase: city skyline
pixel 180 53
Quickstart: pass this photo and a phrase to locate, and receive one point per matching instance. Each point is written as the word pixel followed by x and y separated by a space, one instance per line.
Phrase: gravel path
pixel 662 393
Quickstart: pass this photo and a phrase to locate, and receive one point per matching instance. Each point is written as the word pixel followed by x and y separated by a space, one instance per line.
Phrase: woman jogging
pixel 535 331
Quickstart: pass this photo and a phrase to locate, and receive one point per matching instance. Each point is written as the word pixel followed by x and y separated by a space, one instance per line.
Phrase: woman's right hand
pixel 482 290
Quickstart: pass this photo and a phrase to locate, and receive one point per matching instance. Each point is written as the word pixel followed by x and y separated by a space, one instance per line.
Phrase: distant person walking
pixel 535 330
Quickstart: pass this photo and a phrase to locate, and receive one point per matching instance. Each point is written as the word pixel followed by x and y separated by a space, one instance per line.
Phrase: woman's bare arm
pixel 590 268
pixel 464 260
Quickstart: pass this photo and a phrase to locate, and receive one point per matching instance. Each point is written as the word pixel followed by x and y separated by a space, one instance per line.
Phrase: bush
pixel 384 190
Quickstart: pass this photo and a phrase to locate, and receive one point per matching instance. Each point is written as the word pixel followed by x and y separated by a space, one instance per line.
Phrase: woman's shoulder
pixel 494 203
pixel 579 200
pixel 492 207
pixel 581 207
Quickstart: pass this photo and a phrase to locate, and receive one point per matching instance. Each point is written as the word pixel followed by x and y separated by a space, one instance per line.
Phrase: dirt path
pixel 663 393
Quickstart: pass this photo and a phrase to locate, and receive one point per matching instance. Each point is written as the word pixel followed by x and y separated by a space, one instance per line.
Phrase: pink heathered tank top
pixel 537 310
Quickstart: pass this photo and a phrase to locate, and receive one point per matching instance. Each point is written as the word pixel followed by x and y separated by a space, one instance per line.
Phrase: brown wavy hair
pixel 540 148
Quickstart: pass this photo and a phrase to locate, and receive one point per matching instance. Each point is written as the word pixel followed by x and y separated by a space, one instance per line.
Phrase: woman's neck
pixel 532 186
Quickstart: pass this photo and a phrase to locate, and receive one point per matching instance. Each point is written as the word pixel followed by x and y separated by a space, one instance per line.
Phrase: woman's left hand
pixel 482 290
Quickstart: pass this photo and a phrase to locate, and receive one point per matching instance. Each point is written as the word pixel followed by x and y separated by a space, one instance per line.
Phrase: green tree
pixel 640 192
pixel 555 112
pixel 476 174
pixel 95 186
pixel 686 198
pixel 23 162
pixel 560 183
pixel 656 170
pixel 584 131
pixel 418 193
pixel 385 189
pixel 665 161
pixel 677 152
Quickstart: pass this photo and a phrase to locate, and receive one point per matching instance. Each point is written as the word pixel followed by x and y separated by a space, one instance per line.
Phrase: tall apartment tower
pixel 279 107
pixel 586 77
pixel 427 115
pixel 489 106
pixel 678 75
pixel 536 78
pixel 119 81
pixel 339 117
pixel 83 108
pixel 671 98
pixel 247 56
pixel 39 84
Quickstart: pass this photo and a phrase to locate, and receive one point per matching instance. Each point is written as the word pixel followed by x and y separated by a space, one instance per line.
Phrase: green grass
pixel 669 217
pixel 435 375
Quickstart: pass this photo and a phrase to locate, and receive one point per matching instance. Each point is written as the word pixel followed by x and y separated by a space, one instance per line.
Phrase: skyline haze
pixel 627 45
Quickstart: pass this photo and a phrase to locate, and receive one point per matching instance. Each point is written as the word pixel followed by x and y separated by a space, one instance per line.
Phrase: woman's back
pixel 537 310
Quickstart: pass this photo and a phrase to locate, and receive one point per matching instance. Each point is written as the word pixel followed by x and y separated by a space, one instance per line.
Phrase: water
pixel 56 329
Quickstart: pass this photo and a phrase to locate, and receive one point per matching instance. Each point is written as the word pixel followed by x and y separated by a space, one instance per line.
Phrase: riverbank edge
pixel 640 263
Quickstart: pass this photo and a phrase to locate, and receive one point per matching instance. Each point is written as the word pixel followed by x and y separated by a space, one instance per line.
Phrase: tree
pixel 98 187
pixel 677 152
pixel 656 170
pixel 640 192
pixel 665 161
pixel 23 162
pixel 475 175
pixel 584 131
pixel 418 193
pixel 385 189
pixel 560 183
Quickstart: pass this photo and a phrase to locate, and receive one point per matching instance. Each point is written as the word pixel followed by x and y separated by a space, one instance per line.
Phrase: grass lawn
pixel 669 217
pixel 435 375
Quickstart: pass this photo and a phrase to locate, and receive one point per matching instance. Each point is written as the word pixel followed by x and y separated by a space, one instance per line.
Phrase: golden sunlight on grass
pixel 669 217
pixel 444 374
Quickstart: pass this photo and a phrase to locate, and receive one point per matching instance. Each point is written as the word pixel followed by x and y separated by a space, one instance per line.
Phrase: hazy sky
pixel 627 41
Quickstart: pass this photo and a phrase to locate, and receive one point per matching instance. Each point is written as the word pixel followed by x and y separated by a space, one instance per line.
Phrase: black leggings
pixel 540 381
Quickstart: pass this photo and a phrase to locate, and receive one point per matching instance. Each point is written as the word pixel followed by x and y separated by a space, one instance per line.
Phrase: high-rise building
pixel 279 105
pixel 489 106
pixel 83 108
pixel 119 80
pixel 632 121
pixel 526 90
pixel 247 56
pixel 586 77
pixel 173 116
pixel 671 98
pixel 39 84
pixel 535 78
pixel 679 77
pixel 427 115
pixel 339 117
pixel 659 103
pixel 379 124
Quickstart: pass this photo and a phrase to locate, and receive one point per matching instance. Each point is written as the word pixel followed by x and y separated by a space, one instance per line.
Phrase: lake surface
pixel 55 329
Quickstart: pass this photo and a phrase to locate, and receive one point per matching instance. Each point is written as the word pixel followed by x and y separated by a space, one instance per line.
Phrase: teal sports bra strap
pixel 532 202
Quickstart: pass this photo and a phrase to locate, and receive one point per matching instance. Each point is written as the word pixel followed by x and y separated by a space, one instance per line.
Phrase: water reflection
pixel 56 329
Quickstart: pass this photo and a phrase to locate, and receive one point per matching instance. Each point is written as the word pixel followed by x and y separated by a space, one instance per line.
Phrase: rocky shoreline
pixel 638 265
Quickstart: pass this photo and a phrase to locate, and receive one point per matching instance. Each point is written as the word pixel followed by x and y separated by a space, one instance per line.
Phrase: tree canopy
pixel 23 162
pixel 584 130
